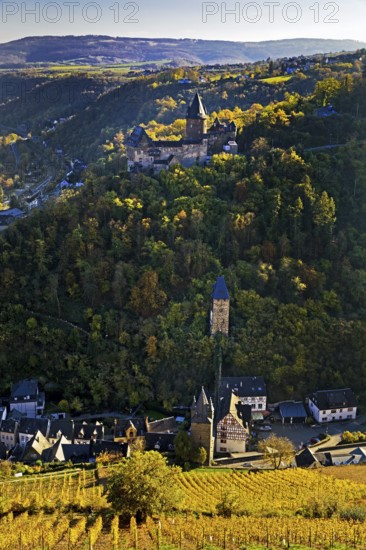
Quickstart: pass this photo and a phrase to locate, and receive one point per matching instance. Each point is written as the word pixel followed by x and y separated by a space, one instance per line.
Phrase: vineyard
pixel 283 492
pixel 69 512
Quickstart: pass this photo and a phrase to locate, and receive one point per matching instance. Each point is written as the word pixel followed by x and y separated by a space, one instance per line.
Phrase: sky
pixel 224 20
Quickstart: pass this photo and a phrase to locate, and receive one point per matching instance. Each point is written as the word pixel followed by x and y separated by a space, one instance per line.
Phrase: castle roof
pixel 220 291
pixel 137 136
pixel 217 125
pixel 197 108
pixel 203 410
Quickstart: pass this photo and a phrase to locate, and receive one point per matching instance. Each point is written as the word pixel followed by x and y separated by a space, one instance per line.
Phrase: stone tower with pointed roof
pixel 196 120
pixel 202 419
pixel 220 305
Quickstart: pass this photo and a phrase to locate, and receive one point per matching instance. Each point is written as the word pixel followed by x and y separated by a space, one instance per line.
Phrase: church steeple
pixel 219 314
pixel 196 120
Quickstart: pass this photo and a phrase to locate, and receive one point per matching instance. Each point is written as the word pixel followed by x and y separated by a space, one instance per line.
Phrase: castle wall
pixel 202 436
pixel 217 140
pixel 188 154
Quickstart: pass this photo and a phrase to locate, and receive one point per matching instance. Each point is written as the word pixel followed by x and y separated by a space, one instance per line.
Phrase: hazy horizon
pixel 247 21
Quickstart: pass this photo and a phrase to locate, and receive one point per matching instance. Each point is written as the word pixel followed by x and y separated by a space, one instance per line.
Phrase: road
pixel 301 433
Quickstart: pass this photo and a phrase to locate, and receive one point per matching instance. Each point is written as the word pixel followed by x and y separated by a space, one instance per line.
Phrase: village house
pixel 146 154
pixel 331 405
pixel 160 434
pixel 9 433
pixel 35 447
pixel 28 427
pixel 27 399
pixel 61 427
pixel 232 429
pixel 85 432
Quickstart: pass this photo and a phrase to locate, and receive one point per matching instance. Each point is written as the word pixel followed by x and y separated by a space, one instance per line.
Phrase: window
pixel 222 440
pixel 223 449
pixel 260 405
pixel 349 416
pixel 350 409
pixel 333 411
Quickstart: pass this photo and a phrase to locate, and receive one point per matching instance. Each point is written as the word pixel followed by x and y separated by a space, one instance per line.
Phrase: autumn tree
pixel 143 485
pixel 278 451
pixel 147 298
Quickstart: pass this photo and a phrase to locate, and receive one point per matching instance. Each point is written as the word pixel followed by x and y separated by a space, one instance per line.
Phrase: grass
pixel 276 79
pixel 63 69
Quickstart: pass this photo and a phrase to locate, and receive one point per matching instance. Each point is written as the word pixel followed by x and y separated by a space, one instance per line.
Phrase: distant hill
pixel 106 50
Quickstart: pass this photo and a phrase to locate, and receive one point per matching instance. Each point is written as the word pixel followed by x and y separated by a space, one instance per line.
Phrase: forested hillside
pixel 105 292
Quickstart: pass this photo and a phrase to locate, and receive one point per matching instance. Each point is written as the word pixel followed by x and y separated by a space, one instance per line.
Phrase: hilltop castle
pixel 145 154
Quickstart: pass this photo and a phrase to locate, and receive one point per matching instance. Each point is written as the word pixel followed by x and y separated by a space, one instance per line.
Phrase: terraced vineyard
pixel 271 514
pixel 284 492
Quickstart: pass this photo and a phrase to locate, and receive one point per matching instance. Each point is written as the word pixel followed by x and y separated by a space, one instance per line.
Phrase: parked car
pixel 264 428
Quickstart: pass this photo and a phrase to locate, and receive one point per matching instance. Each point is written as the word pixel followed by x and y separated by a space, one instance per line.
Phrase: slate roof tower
pixel 220 305
pixel 196 120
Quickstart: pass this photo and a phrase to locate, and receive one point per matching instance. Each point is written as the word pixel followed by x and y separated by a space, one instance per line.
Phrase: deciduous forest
pixel 105 291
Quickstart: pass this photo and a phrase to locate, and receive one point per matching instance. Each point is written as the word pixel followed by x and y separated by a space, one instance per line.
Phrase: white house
pixel 27 399
pixel 330 405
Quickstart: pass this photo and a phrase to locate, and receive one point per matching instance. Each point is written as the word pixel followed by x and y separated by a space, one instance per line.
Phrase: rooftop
pixel 293 409
pixel 246 386
pixel 220 291
pixel 333 399
pixel 23 388
pixel 197 108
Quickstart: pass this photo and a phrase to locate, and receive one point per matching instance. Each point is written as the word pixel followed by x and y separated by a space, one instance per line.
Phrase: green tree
pixel 182 447
pixel 144 485
pixel 199 456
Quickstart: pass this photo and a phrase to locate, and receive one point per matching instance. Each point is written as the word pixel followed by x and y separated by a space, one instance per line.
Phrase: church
pixel 200 142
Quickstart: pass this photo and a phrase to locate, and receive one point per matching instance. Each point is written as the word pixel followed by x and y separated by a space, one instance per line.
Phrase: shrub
pixel 356 513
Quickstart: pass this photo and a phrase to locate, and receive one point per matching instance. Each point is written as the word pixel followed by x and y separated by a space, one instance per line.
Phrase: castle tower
pixel 219 314
pixel 202 416
pixel 196 120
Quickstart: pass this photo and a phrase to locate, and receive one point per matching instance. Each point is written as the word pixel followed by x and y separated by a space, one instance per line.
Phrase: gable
pixel 231 427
